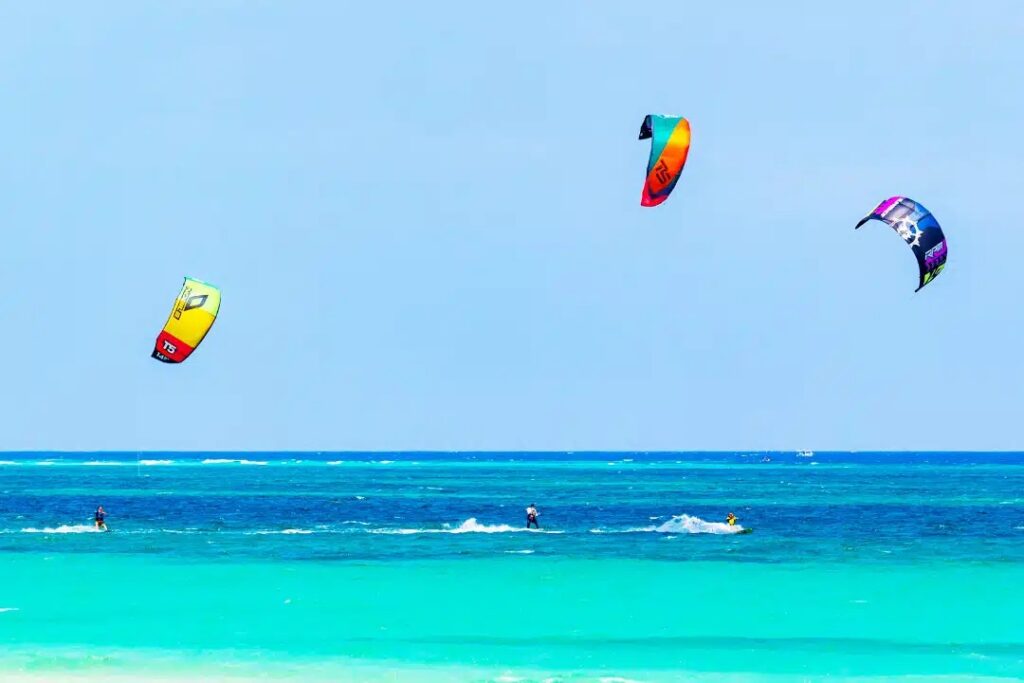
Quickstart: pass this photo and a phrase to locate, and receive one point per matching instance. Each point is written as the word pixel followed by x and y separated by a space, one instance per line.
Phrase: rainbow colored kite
pixel 670 143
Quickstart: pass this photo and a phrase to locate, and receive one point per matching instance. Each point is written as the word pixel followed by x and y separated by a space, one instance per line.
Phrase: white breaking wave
pixel 104 463
pixel 9 609
pixel 470 526
pixel 156 462
pixel 7 462
pixel 679 524
pixel 64 529
pixel 283 531
pixel 335 462
pixel 230 461
pixel 519 552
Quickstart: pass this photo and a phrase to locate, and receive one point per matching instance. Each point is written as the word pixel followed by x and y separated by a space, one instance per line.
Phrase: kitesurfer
pixel 731 519
pixel 100 518
pixel 531 516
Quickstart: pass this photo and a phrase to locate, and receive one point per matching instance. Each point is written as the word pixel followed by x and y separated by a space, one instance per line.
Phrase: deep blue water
pixel 842 507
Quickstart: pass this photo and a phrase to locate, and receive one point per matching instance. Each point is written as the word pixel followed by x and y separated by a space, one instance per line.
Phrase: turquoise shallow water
pixel 415 567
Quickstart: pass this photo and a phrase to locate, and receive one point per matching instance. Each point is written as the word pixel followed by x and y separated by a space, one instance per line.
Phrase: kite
pixel 918 228
pixel 670 143
pixel 193 314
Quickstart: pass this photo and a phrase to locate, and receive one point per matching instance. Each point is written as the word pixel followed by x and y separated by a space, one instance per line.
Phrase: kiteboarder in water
pixel 731 519
pixel 531 516
pixel 100 518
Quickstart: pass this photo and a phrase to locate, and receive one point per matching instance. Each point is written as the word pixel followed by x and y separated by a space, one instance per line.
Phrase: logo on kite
pixel 195 301
pixel 670 143
pixel 918 228
pixel 192 316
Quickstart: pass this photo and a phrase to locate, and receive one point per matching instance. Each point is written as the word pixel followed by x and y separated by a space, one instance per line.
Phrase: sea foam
pixel 470 526
pixel 685 524
pixel 64 529
pixel 232 461
pixel 679 524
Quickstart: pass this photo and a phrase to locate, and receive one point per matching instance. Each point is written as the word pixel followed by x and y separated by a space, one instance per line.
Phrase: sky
pixel 425 221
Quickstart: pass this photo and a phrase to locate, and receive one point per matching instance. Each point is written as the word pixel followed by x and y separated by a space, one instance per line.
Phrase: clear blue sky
pixel 425 220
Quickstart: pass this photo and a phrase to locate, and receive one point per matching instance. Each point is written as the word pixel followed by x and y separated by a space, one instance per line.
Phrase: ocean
pixel 418 567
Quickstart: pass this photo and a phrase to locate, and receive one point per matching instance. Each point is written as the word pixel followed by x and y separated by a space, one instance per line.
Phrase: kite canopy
pixel 918 228
pixel 670 143
pixel 193 314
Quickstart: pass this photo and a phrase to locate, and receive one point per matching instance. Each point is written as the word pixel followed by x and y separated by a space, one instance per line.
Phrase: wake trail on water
pixel 679 524
pixel 676 525
pixel 470 526
pixel 65 529
pixel 232 461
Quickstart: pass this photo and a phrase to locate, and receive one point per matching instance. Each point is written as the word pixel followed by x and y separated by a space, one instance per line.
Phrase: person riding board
pixel 531 516
pixel 731 519
pixel 100 518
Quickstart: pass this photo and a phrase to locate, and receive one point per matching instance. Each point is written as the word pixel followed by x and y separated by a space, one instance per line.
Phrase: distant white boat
pixel 805 454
